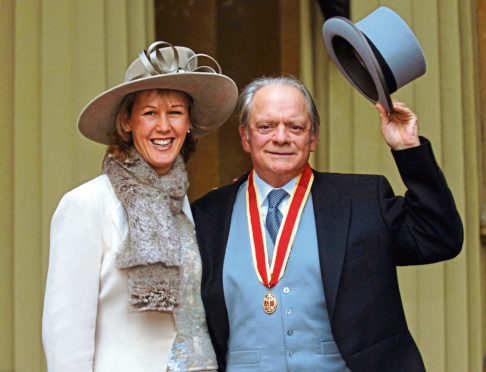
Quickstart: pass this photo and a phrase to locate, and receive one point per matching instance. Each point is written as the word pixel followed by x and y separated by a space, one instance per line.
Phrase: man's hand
pixel 399 128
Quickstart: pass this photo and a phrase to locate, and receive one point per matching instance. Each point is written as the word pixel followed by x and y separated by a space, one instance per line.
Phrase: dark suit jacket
pixel 364 231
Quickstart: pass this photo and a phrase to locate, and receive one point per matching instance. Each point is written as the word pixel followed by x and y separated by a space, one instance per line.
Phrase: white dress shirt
pixel 263 189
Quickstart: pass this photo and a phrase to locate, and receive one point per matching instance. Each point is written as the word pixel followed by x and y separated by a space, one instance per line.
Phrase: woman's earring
pixel 188 131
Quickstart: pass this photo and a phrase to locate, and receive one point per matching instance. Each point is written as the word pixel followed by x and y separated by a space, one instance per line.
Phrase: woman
pixel 124 274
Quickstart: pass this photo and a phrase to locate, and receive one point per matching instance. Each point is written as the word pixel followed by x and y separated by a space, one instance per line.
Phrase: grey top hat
pixel 378 54
pixel 164 66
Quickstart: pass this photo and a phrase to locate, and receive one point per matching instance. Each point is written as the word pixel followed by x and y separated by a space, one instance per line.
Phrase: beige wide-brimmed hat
pixel 163 66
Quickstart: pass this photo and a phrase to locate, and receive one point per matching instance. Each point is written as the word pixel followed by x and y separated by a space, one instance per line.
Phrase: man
pixel 328 299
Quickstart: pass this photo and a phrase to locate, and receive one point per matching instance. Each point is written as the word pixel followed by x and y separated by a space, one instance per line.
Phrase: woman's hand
pixel 399 128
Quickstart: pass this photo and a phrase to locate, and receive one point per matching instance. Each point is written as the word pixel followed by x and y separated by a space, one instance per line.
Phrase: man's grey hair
pixel 246 98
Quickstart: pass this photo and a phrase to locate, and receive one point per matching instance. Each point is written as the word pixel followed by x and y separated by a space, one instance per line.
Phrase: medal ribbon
pixel 286 235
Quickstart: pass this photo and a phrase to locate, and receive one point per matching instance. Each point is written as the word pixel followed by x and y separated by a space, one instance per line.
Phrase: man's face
pixel 279 138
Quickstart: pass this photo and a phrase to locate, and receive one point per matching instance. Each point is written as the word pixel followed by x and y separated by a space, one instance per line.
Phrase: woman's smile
pixel 159 123
pixel 163 144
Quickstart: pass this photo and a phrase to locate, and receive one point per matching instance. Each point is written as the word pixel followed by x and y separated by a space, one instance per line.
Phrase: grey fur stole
pixel 152 250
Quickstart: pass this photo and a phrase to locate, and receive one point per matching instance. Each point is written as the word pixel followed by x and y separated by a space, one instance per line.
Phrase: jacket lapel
pixel 119 220
pixel 217 220
pixel 332 213
pixel 213 218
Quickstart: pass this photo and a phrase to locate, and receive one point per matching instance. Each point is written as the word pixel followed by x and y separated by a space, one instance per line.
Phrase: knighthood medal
pixel 269 303
pixel 270 276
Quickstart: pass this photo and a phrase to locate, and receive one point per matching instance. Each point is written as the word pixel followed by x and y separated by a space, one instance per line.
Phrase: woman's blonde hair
pixel 122 139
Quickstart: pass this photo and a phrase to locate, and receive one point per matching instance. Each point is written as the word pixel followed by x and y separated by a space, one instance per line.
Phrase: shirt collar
pixel 264 188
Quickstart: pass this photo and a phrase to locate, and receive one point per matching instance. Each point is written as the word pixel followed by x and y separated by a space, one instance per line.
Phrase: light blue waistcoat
pixel 297 337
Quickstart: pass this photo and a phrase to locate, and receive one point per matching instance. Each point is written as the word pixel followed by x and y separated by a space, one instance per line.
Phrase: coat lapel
pixel 212 215
pixel 332 213
pixel 216 219
pixel 119 220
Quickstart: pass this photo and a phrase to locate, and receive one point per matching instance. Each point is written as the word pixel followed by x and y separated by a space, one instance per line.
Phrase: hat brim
pixel 351 52
pixel 214 98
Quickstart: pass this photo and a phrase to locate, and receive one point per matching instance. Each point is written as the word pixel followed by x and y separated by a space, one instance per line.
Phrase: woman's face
pixel 159 123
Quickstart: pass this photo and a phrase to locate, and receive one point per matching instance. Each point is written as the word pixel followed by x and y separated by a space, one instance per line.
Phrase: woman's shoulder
pixel 96 187
pixel 92 209
pixel 95 193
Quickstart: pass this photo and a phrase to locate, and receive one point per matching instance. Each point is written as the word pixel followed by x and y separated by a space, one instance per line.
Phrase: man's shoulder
pixel 336 185
pixel 220 195
pixel 350 179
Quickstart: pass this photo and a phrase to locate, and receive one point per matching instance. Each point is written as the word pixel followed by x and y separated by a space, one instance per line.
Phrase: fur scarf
pixel 152 250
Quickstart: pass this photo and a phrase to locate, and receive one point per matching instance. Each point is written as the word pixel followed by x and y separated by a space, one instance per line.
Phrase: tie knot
pixel 275 197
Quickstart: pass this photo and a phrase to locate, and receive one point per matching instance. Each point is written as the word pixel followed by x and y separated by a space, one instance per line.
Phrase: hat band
pixel 391 83
pixel 155 63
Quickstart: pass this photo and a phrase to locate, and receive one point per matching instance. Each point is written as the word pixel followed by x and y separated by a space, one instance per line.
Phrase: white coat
pixel 87 325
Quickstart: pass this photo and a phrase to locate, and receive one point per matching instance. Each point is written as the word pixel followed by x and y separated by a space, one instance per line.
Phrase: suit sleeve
pixel 425 226
pixel 71 297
